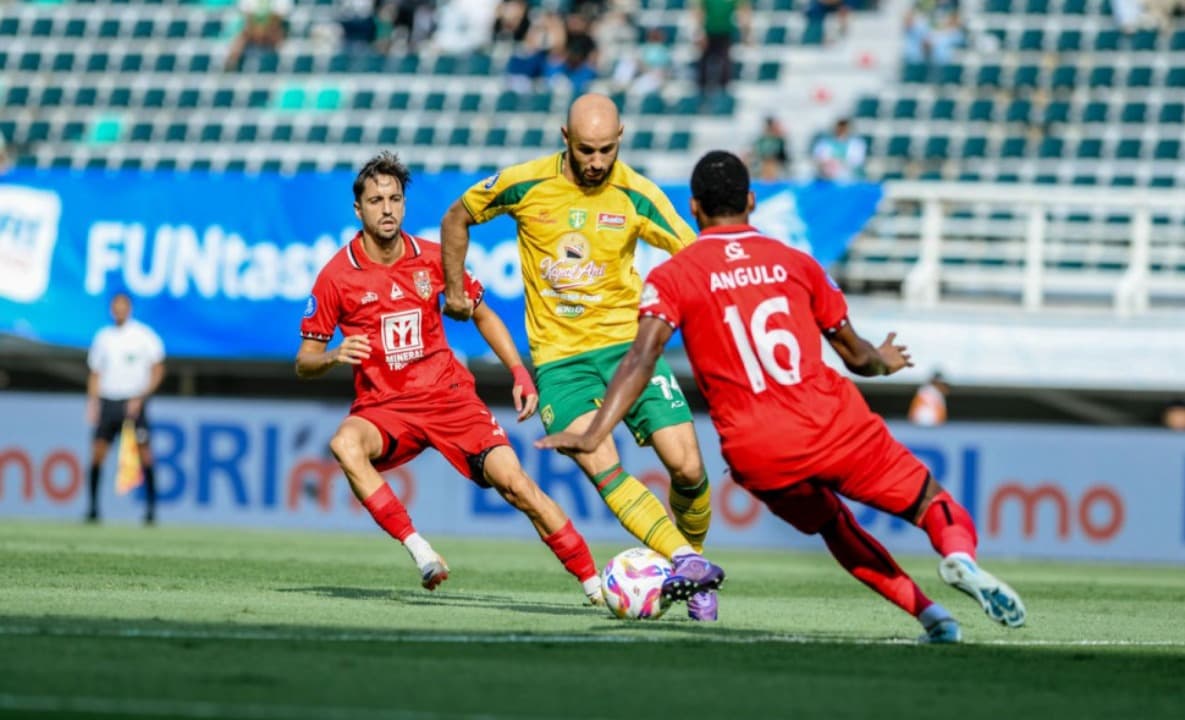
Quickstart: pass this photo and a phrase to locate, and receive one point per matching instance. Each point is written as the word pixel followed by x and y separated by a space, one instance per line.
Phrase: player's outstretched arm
pixel 863 358
pixel 454 244
pixel 630 379
pixel 491 327
pixel 313 360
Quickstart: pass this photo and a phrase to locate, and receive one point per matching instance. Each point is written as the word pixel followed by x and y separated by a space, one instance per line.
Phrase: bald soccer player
pixel 580 213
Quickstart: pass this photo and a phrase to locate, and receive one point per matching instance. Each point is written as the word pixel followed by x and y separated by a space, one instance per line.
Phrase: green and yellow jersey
pixel 577 249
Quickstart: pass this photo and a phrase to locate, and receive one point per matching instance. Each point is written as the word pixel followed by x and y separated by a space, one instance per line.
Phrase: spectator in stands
pixel 528 63
pixel 648 67
pixel 769 158
pixel 719 22
pixel 512 22
pixel 412 21
pixel 1173 416
pixel 359 26
pixel 1127 14
pixel 265 27
pixel 933 30
pixel 5 162
pixel 928 408
pixel 464 26
pixel 1163 12
pixel 816 15
pixel 839 156
pixel 576 66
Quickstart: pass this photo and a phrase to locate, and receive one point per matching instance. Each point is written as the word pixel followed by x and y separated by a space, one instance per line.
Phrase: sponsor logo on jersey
pixel 491 181
pixel 566 310
pixel 369 297
pixel 610 221
pixel 310 307
pixel 544 218
pixel 733 251
pixel 402 338
pixel 577 218
pixel 423 283
pixel 396 291
pixel 571 267
pixel 649 295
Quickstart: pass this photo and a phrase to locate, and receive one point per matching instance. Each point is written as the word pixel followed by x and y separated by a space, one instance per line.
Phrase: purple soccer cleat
pixel 692 574
pixel 703 606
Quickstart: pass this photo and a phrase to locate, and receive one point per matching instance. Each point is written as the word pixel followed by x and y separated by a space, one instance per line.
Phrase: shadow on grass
pixel 422 598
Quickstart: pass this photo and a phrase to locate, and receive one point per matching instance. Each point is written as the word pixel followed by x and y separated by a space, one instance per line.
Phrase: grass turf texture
pixel 196 623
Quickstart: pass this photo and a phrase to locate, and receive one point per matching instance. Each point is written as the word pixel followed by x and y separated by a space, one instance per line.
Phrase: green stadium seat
pixel 951 74
pixel 166 164
pixel 235 165
pixel 1051 148
pixel 39 131
pixel 722 105
pixel 775 35
pixel 1175 77
pixel 1015 146
pixel 1069 41
pixel 445 65
pixel 211 133
pixel 974 146
pixel 470 102
pixel 867 107
pixel 165 63
pixel 223 98
pixel 18 96
pixel 389 135
pixel 642 140
pixel 317 134
pixel 108 28
pixel 1089 149
pixel 86 96
pixel 42 28
pixel 1177 43
pixel 10 26
pixel 96 163
pixel 153 98
pixel 434 102
pixel 62 162
pixel 989 76
pixel 1095 112
pixel 769 71
pixel 1145 40
pixel 937 148
pixel 176 132
pixel 211 29
pixel 247 133
pixel 303 64
pixel 343 63
pixel 1057 111
pixel 686 105
pixel 120 97
pixel 200 63
pixel 176 29
pixel 915 74
pixel 73 131
pixel 271 165
pixel 1074 7
pixel 812 33
pixel 507 102
pixel 496 137
pixel 362 100
pixel 679 141
pixel 424 135
pixel 133 62
pixel 63 62
pixel 328 98
pixel 943 109
pixel 1107 41
pixel 30 62
pixel 1027 76
pixel 1172 113
pixel 1064 78
pixel 1128 149
pixel 188 99
pixel 1134 113
pixel 51 97
pixel 1031 40
pixel 905 109
pixel 1167 150
pixel 998 6
pixel 258 98
pixel 478 64
pixel 899 146
pixel 1139 77
pixel 1010 178
pixel 1123 181
pixel 1162 181
pixel 282 133
pixel 1046 179
pixel 1037 7
pixel 460 137
pixel 653 104
pixel 539 102
pixel 1085 180
pixel 1018 111
pixel 143 29
pixel 201 165
pixel 129 164
pixel 407 64
pixel 981 110
pixel 532 138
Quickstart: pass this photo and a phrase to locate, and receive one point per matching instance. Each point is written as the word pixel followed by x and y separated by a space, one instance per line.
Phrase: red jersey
pixel 398 308
pixel 753 312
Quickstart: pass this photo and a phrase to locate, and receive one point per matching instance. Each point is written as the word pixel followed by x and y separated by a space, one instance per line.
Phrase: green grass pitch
pixel 121 621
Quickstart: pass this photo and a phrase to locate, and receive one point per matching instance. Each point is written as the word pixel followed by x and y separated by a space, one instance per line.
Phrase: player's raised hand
pixel 566 442
pixel 353 350
pixel 896 357
pixel 458 307
pixel 526 397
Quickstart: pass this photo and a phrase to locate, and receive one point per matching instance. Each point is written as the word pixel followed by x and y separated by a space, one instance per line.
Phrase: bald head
pixel 593 135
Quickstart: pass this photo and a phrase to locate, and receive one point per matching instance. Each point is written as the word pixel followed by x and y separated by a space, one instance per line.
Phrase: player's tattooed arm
pixel 313 360
pixel 864 358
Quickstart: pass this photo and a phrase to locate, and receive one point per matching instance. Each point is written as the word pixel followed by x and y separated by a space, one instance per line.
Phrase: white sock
pixel 419 549
pixel 592 586
pixel 933 615
pixel 961 557
pixel 683 550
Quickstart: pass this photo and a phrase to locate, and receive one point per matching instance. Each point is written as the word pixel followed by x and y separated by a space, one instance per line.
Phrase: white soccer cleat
pixel 943 632
pixel 999 601
pixel 434 573
pixel 592 591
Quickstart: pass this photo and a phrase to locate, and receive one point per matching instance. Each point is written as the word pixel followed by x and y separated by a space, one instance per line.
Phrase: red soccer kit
pixel 753 312
pixel 412 387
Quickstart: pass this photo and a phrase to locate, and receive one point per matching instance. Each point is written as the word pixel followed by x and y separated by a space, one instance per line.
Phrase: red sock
pixel 949 526
pixel 569 546
pixel 869 562
pixel 389 513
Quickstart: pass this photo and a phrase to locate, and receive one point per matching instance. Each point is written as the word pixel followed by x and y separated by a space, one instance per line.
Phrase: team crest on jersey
pixel 369 297
pixel 577 218
pixel 396 291
pixel 423 283
pixel 310 307
pixel 547 415
pixel 610 221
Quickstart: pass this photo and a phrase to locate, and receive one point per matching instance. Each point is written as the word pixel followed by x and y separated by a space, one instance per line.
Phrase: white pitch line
pixel 527 639
pixel 199 710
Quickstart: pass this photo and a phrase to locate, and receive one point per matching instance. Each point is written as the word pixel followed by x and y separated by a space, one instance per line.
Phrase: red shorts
pixel 858 459
pixel 461 428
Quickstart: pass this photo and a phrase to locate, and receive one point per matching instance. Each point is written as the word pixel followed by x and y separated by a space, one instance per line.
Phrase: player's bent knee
pixel 347 448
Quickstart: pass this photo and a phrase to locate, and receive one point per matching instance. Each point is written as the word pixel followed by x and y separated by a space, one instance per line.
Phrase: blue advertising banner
pixel 220 264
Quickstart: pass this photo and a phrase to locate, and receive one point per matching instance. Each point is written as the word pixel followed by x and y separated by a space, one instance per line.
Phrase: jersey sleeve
pixel 660 296
pixel 321 310
pixel 661 226
pixel 828 304
pixel 156 348
pixel 474 289
pixel 96 356
pixel 496 195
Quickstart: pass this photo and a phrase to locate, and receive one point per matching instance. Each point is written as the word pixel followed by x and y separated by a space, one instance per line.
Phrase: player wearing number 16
pixel 795 433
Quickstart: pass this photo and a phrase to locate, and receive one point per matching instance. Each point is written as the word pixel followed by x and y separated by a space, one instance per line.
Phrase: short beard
pixel 377 234
pixel 579 173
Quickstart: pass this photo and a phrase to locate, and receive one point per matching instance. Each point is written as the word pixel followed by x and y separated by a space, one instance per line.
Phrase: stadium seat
pixel 86 96
pixel 951 75
pixel 153 98
pixel 937 148
pixel 165 63
pixel 679 141
pixel 998 6
pixel 282 133
pixel 722 105
pixel 507 102
pixel 1069 41
pixel 1031 40
pixel 1175 78
pixel 1018 111
pixel 1095 112
pixel 398 100
pixel 1140 76
pixel 189 98
pixel 1107 41
pixel 1167 150
pixel 496 137
pixel 328 98
pixel 1162 181
pixel 1145 40
pixel 258 98
pixel 63 62
pixel 1065 78
pixel 176 132
pixel 532 138
pixel 642 140
pixel 981 110
pixel 943 109
pixel 10 26
pixel 478 64
pixel 988 76
pixel 769 71
pixel 653 104
pixel 303 64
pixel 1134 113
pixel 389 135
pixel 1074 7
pixel 120 97
pixel 42 27
pixel 445 65
pixel 459 137
pixel 899 146
pixel 200 64
pixel 1128 149
pixel 905 109
pixel 1172 113
pixel 1177 44
pixel 73 131
pixel 211 133
pixel 352 135
pixel 539 102
pixel 1123 181
pixel 974 147
pixel 18 96
pixel 51 97
pixel 1014 147
pixel 223 98
pixel 1057 111
pixel 867 107
pixel 915 74
pixel 108 28
pixel 1090 149
pixel 317 134
pixel 30 62
pixel 470 102
pixel 247 133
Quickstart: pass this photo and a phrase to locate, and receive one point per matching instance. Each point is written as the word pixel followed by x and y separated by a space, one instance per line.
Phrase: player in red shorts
pixel 795 433
pixel 410 392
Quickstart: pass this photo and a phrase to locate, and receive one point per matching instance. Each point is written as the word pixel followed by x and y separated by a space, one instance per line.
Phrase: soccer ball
pixel 632 584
